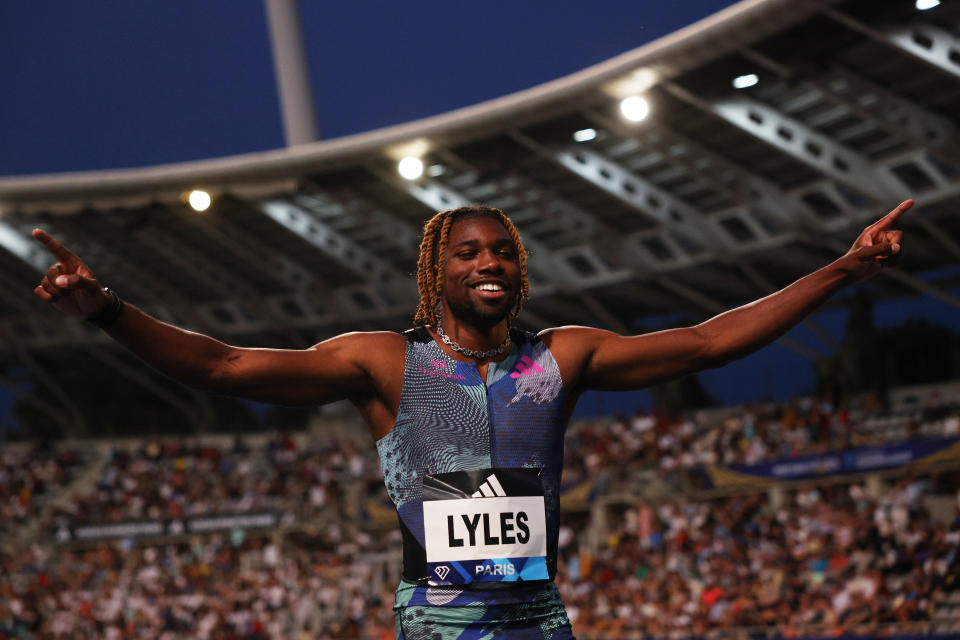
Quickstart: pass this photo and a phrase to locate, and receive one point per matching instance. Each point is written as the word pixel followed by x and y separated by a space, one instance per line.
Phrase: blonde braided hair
pixel 433 258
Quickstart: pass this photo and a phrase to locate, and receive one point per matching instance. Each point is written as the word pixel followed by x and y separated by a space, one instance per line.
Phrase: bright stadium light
pixel 746 80
pixel 199 200
pixel 410 168
pixel 923 5
pixel 584 135
pixel 634 108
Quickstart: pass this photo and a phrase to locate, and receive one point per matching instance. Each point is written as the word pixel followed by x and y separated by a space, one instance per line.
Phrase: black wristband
pixel 110 313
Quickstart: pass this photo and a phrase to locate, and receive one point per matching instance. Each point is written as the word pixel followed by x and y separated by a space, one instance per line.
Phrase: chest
pixel 455 415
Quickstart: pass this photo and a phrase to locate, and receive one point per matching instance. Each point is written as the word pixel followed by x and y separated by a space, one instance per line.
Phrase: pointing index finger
pixel 884 223
pixel 60 252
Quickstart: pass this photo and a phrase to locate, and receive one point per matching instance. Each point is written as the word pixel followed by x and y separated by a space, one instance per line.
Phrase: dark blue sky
pixel 96 85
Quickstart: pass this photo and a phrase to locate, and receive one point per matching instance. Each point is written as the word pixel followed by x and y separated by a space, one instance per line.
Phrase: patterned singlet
pixel 449 421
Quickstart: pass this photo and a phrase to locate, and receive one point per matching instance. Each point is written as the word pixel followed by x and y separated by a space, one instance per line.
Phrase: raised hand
pixel 877 246
pixel 69 285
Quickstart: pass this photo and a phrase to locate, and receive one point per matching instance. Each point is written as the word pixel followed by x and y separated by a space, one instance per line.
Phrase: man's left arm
pixel 606 360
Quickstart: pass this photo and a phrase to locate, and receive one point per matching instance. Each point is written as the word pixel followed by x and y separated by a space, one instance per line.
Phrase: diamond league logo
pixel 442 571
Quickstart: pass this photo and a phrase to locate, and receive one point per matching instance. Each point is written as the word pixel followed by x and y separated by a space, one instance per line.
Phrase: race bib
pixel 485 526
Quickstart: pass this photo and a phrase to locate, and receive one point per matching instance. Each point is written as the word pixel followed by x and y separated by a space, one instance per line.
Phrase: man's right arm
pixel 332 370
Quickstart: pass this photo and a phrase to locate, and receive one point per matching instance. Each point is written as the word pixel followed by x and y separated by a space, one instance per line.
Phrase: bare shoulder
pixel 356 365
pixel 572 337
pixel 364 346
pixel 572 347
pixel 364 340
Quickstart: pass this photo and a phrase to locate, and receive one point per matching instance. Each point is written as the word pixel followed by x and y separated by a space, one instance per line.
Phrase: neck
pixel 465 338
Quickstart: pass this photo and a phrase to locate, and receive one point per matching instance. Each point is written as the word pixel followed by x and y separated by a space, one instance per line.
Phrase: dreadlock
pixel 433 258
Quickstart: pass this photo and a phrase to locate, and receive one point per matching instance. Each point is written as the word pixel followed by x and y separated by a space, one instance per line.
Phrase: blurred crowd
pixel 753 434
pixel 812 561
pixel 28 475
pixel 828 560
pixel 220 587
pixel 160 479
pixel 825 561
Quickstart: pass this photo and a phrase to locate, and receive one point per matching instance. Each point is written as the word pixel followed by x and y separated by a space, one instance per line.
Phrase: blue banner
pixel 891 456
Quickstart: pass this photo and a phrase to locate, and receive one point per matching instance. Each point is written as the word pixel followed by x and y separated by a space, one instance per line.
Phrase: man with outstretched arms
pixel 468 414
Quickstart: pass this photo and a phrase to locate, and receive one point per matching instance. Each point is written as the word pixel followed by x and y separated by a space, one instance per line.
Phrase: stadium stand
pixel 861 554
pixel 30 475
pixel 831 560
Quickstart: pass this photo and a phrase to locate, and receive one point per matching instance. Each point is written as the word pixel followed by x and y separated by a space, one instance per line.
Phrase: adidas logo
pixel 442 571
pixel 490 489
pixel 526 367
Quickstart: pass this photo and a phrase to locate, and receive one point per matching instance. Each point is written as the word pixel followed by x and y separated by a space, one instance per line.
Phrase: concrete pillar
pixel 292 72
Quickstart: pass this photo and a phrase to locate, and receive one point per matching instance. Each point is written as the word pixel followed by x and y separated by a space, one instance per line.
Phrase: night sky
pixel 99 85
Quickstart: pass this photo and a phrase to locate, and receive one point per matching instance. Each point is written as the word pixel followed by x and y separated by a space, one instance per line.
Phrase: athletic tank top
pixel 502 432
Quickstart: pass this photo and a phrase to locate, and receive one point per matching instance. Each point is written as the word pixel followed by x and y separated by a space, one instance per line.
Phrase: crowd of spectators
pixel 822 560
pixel 752 434
pixel 830 560
pixel 160 479
pixel 220 587
pixel 28 474
pixel 827 560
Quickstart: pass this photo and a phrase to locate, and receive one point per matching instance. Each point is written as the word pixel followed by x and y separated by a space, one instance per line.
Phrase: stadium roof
pixel 719 196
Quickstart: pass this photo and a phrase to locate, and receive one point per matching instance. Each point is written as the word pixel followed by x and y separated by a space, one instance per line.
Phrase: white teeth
pixel 489 287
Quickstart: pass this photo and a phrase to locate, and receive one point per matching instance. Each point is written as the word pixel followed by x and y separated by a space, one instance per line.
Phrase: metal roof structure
pixel 721 195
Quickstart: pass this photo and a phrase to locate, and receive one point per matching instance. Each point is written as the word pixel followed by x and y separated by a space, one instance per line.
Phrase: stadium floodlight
pixel 199 200
pixel 923 5
pixel 410 168
pixel 746 80
pixel 584 135
pixel 634 108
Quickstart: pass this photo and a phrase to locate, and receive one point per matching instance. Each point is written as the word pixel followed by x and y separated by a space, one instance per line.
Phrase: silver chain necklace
pixel 470 353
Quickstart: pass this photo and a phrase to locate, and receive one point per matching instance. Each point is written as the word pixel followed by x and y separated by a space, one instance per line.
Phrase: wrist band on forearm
pixel 110 313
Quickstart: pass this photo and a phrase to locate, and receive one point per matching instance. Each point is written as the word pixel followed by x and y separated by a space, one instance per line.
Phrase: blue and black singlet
pixel 460 442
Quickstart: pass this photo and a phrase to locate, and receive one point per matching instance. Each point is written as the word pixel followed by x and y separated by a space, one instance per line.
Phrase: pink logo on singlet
pixel 526 367
pixel 440 369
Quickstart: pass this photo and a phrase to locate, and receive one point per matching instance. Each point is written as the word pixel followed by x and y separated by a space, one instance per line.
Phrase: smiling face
pixel 481 279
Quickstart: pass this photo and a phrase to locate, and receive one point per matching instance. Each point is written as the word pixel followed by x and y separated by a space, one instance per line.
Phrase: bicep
pixel 329 371
pixel 621 363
